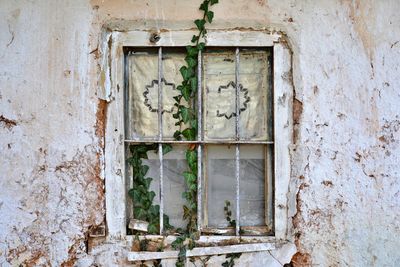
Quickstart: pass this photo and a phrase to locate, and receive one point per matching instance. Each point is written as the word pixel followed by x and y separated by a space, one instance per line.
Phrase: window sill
pixel 207 246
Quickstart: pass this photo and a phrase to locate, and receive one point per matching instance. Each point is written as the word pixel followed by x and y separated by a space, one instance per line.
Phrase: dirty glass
pixel 174 165
pixel 221 184
pixel 220 95
pixel 142 98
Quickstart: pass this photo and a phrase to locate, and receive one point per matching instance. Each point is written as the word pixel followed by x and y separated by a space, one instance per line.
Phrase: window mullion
pixel 199 146
pixel 237 152
pixel 160 137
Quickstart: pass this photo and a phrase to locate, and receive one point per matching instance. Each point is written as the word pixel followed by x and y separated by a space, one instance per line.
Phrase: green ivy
pixel 141 195
pixel 230 262
pixel 228 214
pixel 187 119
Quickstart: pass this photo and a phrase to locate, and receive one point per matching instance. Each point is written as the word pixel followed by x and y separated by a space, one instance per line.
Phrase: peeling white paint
pixel 345 72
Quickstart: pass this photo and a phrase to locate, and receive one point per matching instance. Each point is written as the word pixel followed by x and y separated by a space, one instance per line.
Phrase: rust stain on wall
pixel 301 260
pixel 297 111
pixel 7 122
pixel 101 116
pixel 360 15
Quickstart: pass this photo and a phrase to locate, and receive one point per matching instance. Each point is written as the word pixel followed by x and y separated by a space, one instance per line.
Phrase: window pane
pixel 141 105
pixel 174 185
pixel 174 165
pixel 142 97
pixel 221 183
pixel 219 82
pixel 255 95
pixel 252 185
pixel 255 100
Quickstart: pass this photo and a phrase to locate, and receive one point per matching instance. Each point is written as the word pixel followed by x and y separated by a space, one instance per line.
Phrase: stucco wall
pixel 346 209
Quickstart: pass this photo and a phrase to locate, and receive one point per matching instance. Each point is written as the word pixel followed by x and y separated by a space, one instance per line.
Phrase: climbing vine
pixel 228 214
pixel 141 195
pixel 186 119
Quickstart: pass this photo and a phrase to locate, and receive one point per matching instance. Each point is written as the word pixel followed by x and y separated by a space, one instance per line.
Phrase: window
pixel 245 159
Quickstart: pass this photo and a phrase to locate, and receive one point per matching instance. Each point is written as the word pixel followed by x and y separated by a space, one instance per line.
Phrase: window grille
pixel 234 106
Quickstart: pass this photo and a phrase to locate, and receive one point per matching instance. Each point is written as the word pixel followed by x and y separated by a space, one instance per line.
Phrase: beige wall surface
pixel 345 172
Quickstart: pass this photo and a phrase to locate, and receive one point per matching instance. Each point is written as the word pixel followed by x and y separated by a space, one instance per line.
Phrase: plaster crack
pixel 275 258
pixel 12 35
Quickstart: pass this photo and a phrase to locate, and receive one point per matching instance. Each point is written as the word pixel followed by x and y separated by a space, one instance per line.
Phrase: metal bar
pixel 222 142
pixel 160 136
pixel 237 152
pixel 199 146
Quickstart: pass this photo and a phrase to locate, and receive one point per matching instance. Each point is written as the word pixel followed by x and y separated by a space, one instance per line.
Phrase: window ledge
pixel 201 251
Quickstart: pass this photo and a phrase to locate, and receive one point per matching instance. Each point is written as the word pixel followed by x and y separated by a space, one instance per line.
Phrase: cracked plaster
pixel 344 161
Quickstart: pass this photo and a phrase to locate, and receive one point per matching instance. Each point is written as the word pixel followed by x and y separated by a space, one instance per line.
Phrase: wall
pixel 345 158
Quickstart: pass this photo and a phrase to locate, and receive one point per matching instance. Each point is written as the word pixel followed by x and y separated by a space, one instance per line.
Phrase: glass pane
pixel 219 98
pixel 174 184
pixel 255 100
pixel 255 96
pixel 252 185
pixel 142 97
pixel 221 183
pixel 172 62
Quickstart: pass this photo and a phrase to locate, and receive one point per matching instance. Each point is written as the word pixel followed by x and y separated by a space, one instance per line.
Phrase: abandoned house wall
pixel 345 184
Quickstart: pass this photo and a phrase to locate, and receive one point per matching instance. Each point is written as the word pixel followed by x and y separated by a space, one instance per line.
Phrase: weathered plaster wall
pixel 345 158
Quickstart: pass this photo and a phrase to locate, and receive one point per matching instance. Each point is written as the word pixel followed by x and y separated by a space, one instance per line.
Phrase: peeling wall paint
pixel 345 174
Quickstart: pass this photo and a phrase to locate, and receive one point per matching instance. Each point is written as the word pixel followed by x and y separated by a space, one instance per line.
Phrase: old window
pixel 244 159
pixel 235 152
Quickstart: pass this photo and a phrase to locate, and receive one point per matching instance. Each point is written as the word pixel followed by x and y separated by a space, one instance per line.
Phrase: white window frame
pixel 112 89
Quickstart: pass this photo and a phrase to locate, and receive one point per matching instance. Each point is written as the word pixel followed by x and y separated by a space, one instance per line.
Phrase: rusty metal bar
pixel 237 152
pixel 160 136
pixel 199 146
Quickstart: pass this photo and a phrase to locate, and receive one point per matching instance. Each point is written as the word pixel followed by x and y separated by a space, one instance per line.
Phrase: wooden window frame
pixel 112 89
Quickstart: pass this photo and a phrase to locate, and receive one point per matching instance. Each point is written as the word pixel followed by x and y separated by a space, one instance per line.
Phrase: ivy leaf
pixel 189 177
pixel 189 134
pixel 143 170
pixel 166 148
pixel 147 182
pixel 191 51
pixel 178 97
pixel 182 252
pixel 204 6
pixel 175 115
pixel 193 187
pixel 201 46
pixel 177 134
pixel 213 2
pixel 193 83
pixel 186 93
pixel 186 114
pixel 191 62
pixel 210 16
pixel 191 157
pixel 152 229
pixel 184 72
pixel 154 210
pixel 193 123
pixel 200 23
pixel 195 38
pixel 151 196
pixel 139 213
